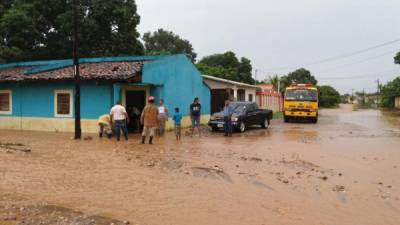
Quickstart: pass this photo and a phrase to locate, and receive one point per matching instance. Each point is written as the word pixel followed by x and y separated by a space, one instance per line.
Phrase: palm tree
pixel 274 80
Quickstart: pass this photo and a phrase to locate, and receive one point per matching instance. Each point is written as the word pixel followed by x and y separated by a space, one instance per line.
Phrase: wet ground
pixel 344 170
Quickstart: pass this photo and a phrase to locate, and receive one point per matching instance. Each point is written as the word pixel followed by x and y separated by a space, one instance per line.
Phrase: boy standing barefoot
pixel 177 118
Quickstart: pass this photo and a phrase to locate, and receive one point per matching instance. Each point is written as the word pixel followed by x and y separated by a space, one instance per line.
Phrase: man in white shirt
pixel 120 118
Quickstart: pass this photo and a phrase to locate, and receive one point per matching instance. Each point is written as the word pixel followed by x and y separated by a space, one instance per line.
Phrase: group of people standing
pixel 153 118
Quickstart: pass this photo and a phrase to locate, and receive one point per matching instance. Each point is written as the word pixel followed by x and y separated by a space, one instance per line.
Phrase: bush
pixel 389 91
pixel 328 96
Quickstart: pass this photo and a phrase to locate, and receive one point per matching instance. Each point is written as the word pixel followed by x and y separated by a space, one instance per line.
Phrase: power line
pixel 371 75
pixel 352 76
pixel 346 55
pixel 358 62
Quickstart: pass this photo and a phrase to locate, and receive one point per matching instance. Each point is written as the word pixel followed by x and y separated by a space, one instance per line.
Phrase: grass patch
pixel 391 112
pixel 278 115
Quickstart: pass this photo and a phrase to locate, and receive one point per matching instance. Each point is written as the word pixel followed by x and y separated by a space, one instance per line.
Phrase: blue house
pixel 39 95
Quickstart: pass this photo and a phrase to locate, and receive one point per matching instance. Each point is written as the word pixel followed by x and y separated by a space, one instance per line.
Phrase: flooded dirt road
pixel 344 170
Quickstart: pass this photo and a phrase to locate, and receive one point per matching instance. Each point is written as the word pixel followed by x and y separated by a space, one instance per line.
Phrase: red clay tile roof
pixel 266 87
pixel 13 73
pixel 89 71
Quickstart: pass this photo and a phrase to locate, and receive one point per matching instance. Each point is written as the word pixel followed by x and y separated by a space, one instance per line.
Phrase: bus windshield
pixel 301 95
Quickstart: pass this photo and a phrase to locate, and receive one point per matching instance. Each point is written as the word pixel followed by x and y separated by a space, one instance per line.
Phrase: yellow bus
pixel 301 101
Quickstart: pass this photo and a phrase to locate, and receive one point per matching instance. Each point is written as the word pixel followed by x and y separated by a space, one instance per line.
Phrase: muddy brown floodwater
pixel 344 170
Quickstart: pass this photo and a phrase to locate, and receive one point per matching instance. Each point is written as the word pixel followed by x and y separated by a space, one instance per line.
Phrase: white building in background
pixel 397 102
pixel 223 89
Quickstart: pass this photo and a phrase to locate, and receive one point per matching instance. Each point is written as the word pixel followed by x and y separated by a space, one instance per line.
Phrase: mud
pixel 15 211
pixel 214 173
pixel 14 147
pixel 343 170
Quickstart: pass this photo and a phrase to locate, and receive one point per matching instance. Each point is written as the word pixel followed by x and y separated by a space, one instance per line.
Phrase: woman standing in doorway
pixel 162 116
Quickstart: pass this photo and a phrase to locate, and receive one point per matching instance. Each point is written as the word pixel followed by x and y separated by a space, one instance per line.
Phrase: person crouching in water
pixel 177 118
pixel 149 119
pixel 105 126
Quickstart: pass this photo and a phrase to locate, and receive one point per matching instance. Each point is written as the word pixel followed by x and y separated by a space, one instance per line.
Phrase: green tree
pixel 397 58
pixel 42 29
pixel 4 5
pixel 163 42
pixel 329 97
pixel 389 91
pixel 273 80
pixel 283 82
pixel 302 76
pixel 225 60
pixel 218 71
pixel 227 66
pixel 245 71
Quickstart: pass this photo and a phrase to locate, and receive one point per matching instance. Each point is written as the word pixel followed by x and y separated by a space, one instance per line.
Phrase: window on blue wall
pixel 5 102
pixel 63 103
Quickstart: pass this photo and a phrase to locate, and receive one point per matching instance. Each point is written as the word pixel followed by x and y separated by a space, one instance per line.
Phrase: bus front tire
pixel 285 119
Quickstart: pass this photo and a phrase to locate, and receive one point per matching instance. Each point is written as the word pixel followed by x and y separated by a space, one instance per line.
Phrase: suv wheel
pixel 242 127
pixel 266 123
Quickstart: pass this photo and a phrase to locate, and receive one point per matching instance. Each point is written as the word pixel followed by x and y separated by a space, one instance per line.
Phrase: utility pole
pixel 364 97
pixel 279 83
pixel 77 78
pixel 377 95
pixel 352 95
pixel 255 76
pixel 280 94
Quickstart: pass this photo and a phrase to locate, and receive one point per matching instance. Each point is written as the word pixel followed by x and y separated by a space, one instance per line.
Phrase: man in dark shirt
pixel 227 113
pixel 195 112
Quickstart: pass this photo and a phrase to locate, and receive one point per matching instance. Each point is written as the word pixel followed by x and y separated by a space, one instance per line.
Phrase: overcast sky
pixel 289 33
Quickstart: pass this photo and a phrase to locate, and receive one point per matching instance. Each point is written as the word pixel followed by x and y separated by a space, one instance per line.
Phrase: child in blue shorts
pixel 177 117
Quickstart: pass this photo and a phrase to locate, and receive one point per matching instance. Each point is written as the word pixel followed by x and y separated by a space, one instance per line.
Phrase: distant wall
pixel 270 100
pixel 397 102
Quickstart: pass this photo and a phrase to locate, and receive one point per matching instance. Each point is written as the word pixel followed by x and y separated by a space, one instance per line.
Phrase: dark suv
pixel 246 114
